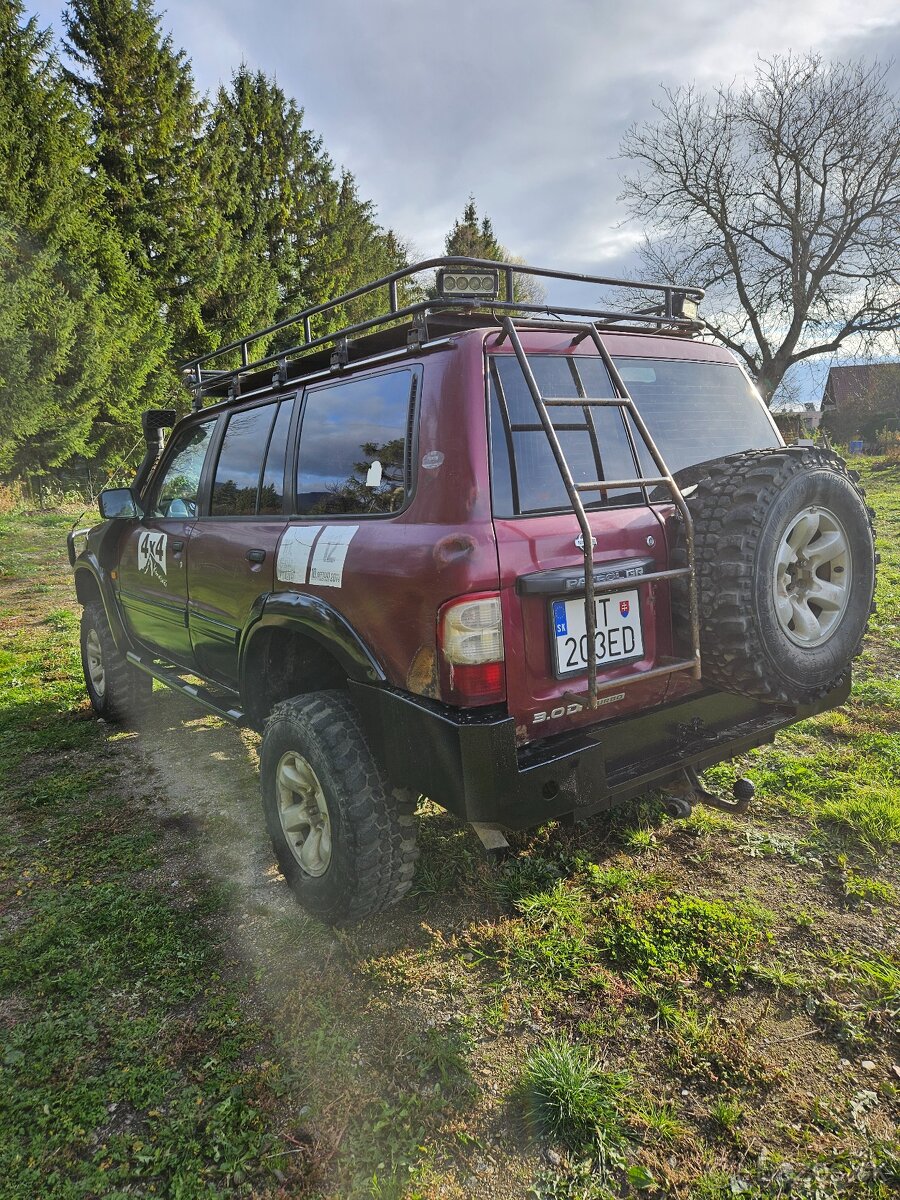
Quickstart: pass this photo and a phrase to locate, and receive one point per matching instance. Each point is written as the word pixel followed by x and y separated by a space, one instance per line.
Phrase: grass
pixel 130 1060
pixel 858 999
pixel 567 1096
pixel 677 1009
pixel 840 772
pixel 726 1115
pixel 709 1050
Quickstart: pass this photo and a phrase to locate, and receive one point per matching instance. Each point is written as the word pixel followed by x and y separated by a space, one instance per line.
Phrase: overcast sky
pixel 520 102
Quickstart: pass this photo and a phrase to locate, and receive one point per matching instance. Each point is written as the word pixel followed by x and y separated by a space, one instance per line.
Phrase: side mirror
pixel 118 502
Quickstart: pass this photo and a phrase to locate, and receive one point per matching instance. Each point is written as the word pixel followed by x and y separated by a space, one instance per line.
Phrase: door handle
pixel 177 545
pixel 256 556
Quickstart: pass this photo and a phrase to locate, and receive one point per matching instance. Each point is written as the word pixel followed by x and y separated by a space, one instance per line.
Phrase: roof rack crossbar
pixel 200 377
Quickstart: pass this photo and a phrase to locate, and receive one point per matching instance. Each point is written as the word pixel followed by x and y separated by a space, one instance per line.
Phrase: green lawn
pixel 693 1009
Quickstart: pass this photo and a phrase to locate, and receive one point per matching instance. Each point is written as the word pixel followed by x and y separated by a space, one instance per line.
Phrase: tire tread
pixel 378 821
pixel 728 507
pixel 127 688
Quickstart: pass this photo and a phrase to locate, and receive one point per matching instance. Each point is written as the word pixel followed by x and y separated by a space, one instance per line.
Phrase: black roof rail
pixel 668 312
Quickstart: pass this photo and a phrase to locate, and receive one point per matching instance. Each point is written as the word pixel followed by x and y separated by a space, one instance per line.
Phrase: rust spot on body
pixel 422 675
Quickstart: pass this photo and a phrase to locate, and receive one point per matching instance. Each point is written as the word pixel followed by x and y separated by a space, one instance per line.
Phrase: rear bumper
pixel 470 764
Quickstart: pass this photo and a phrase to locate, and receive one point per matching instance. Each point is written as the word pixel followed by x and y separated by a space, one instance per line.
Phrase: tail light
pixel 470 639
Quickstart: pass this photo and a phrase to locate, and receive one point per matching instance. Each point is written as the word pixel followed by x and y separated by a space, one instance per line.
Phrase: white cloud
pixel 519 101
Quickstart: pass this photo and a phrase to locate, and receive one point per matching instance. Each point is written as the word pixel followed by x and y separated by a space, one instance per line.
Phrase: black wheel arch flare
pixel 312 618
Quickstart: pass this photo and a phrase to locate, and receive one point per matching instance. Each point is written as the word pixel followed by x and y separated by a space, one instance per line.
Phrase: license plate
pixel 618 635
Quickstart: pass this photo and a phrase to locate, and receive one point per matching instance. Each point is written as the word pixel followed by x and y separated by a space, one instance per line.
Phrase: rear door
pixel 232 552
pixel 539 548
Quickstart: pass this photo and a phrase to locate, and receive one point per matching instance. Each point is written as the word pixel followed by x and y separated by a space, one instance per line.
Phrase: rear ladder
pixel 622 400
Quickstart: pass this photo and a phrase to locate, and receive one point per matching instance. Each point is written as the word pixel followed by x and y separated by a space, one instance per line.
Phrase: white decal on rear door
pixel 151 555
pixel 327 568
pixel 293 553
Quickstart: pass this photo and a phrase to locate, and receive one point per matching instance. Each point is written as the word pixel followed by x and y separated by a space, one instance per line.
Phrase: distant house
pixel 797 421
pixel 860 401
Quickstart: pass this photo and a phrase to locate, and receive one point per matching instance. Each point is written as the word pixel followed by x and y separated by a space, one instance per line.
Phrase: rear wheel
pixel 344 839
pixel 785 573
pixel 117 690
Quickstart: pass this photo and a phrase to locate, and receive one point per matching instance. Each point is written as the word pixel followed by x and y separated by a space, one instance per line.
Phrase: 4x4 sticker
pixel 151 555
pixel 328 557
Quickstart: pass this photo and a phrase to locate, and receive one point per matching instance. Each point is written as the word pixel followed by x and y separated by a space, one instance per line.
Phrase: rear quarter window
pixel 354 453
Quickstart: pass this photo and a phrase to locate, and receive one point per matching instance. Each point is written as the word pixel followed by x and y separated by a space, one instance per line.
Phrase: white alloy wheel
pixel 303 812
pixel 95 666
pixel 813 576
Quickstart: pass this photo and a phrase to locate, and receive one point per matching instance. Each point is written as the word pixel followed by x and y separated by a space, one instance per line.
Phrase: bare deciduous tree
pixel 781 196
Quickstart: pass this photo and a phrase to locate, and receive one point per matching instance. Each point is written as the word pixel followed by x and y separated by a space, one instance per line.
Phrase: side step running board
pixel 209 700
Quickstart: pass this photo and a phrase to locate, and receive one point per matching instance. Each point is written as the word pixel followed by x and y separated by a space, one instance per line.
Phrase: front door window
pixel 176 493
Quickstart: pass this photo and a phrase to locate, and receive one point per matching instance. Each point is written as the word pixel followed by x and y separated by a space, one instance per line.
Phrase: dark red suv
pixel 390 549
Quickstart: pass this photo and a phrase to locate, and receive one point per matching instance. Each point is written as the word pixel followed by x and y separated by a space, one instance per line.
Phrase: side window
pixel 236 481
pixel 354 456
pixel 270 492
pixel 176 493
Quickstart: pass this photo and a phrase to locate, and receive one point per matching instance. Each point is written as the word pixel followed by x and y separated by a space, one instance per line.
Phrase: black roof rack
pixel 410 321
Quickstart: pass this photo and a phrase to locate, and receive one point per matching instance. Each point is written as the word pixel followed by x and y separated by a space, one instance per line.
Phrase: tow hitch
pixel 685 790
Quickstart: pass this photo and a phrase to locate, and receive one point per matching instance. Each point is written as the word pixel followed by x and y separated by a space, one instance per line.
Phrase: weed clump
pixel 871 813
pixel 861 998
pixel 524 877
pixel 551 943
pixel 709 939
pixel 709 1049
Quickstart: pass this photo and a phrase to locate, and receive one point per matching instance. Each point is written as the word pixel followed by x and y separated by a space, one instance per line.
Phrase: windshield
pixel 695 411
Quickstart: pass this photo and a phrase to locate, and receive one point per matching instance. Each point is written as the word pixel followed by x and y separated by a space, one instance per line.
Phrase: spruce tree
pixel 473 239
pixel 356 251
pixel 266 175
pixel 146 124
pixel 305 235
pixel 80 337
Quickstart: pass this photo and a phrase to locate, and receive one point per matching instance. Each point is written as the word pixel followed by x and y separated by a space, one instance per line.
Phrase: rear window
pixel 596 443
pixel 694 411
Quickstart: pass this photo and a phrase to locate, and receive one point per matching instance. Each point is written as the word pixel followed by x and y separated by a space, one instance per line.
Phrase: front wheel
pixel 117 690
pixel 344 839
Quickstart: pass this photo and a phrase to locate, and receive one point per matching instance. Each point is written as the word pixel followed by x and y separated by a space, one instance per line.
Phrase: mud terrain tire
pixel 118 691
pixel 785 572
pixel 344 839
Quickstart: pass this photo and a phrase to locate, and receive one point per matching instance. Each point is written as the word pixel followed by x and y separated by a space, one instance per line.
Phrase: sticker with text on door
pixel 618 637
